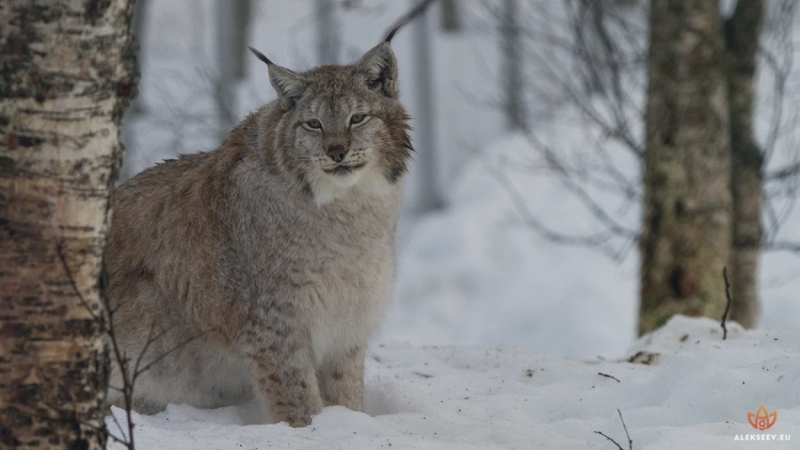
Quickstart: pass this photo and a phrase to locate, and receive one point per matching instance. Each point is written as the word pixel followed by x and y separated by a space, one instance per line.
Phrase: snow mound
pixel 677 333
pixel 696 395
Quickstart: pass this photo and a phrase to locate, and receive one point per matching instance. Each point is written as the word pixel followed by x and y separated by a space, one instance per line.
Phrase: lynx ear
pixel 380 68
pixel 289 85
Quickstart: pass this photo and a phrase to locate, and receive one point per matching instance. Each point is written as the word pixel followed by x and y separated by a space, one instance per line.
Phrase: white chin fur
pixel 368 180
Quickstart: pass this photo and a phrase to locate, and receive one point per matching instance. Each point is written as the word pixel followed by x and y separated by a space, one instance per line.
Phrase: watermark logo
pixel 762 420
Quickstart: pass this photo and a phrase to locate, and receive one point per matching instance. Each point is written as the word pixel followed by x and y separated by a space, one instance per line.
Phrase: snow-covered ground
pixel 695 395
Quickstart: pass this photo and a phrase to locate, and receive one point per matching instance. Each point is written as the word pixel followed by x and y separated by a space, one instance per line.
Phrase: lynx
pixel 260 269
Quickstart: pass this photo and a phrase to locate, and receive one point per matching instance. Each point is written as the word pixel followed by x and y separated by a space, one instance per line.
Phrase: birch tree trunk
pixel 742 31
pixel 67 69
pixel 686 231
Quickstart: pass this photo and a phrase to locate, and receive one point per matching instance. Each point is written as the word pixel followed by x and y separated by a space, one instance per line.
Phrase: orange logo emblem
pixel 762 420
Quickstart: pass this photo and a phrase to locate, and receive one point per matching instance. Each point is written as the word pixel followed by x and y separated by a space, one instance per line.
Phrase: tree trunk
pixel 686 232
pixel 450 17
pixel 742 31
pixel 513 86
pixel 328 35
pixel 232 21
pixel 67 70
pixel 430 194
pixel 138 24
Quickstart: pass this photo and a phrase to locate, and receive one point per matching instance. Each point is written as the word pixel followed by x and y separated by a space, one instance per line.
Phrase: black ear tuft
pixel 260 55
pixel 289 85
pixel 393 32
pixel 411 15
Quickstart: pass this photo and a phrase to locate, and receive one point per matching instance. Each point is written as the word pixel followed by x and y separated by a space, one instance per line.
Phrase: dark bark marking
pixel 95 9
pixel 682 284
pixel 29 141
pixel 7 167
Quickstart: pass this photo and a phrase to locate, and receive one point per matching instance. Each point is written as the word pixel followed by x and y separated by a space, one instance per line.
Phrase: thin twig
pixel 106 326
pixel 727 305
pixel 122 361
pixel 625 427
pixel 612 440
pixel 147 343
pixel 119 427
pixel 105 430
pixel 785 246
pixel 71 278
pixel 609 376
pixel 166 353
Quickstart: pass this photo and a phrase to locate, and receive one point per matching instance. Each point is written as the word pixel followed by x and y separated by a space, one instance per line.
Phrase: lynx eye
pixel 355 119
pixel 313 124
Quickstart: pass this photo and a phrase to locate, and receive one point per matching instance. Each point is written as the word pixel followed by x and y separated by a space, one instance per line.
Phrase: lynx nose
pixel 336 152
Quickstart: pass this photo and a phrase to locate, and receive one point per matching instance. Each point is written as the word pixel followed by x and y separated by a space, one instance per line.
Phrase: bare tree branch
pixel 784 246
pixel 727 305
pixel 579 192
pixel 630 441
pixel 783 173
pixel 610 439
pixel 129 378
pixel 592 240
pixel 62 258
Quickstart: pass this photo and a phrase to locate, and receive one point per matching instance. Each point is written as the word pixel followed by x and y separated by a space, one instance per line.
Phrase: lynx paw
pixel 299 421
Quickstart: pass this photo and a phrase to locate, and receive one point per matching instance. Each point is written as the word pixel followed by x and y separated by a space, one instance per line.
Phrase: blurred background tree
pixel 687 226
pixel 701 168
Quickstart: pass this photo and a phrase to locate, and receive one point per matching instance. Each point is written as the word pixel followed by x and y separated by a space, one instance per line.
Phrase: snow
pixel 695 395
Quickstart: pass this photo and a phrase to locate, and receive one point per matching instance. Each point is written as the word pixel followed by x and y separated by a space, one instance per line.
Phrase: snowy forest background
pixel 471 267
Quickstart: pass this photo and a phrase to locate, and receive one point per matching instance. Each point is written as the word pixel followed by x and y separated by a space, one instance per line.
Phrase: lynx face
pixel 342 126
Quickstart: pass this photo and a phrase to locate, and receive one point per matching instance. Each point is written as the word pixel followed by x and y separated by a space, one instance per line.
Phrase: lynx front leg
pixel 342 380
pixel 279 360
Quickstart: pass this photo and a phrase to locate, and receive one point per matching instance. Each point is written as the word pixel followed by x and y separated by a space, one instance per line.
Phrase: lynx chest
pixel 335 265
